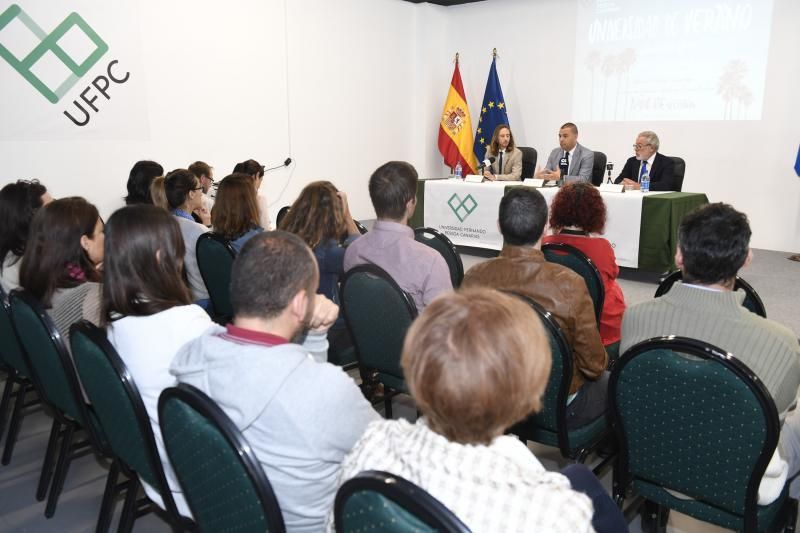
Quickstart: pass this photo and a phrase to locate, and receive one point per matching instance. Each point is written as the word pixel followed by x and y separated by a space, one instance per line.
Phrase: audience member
pixel 418 269
pixel 507 165
pixel 18 203
pixel 713 245
pixel 139 180
pixel 571 161
pixel 158 194
pixel 205 174
pixel 521 267
pixel 235 212
pixel 647 160
pixel 576 214
pixel 300 415
pixel 148 309
pixel 63 260
pixel 255 170
pixel 458 451
pixel 184 196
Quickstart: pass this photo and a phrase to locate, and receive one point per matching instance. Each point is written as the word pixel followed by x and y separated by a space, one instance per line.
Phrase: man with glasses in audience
pixel 205 174
pixel 647 160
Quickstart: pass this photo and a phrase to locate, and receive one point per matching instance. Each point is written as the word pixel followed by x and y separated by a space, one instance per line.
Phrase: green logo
pixel 462 208
pixel 49 58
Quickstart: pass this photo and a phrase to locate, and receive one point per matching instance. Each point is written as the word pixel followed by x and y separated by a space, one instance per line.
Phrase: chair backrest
pixel 442 244
pixel 11 352
pixel 385 502
pixel 575 260
pixel 752 301
pixel 281 215
pixel 692 418
pixel 529 157
pixel 361 227
pixel 223 481
pixel 215 257
pixel 119 406
pixel 598 168
pixel 680 170
pixel 377 313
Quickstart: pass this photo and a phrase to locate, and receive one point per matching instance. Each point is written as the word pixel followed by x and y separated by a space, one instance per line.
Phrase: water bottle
pixel 645 182
pixel 458 170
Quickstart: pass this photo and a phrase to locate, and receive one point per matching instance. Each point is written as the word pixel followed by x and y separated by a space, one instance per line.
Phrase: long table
pixel 642 227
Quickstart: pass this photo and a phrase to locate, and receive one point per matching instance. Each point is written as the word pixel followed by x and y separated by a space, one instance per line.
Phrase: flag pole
pixel 494 53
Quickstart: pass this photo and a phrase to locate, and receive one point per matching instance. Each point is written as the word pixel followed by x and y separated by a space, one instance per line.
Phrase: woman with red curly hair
pixel 577 217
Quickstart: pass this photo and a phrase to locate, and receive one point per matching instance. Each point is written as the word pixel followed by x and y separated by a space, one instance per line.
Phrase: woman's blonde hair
pixel 317 215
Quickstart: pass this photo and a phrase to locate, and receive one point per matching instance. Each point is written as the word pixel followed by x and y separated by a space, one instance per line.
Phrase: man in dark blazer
pixel 647 159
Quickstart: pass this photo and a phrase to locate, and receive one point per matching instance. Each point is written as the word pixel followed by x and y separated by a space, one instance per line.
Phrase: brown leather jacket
pixel 558 289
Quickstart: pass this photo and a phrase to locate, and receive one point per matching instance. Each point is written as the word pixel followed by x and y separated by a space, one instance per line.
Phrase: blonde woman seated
pixel 235 212
pixel 471 384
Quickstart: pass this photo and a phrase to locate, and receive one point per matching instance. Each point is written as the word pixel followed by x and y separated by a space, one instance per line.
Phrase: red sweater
pixel 600 252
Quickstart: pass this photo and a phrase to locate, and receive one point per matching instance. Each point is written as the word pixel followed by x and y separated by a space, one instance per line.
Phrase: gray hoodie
pixel 300 416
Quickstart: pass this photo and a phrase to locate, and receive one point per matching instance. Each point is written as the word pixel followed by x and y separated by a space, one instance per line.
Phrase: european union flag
pixel 493 112
pixel 797 163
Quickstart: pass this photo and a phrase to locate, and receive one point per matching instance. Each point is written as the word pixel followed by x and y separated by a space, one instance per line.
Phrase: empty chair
pixel 598 168
pixel 529 157
pixel 442 244
pixel 680 170
pixel 215 257
pixel 377 313
pixel 752 301
pixel 701 450
pixel 222 479
pixel 575 260
pixel 382 501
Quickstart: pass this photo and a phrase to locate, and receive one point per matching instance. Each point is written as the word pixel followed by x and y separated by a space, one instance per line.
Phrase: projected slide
pixel 676 60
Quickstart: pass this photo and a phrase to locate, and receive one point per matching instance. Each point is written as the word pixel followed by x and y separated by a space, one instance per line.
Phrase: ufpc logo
pixel 54 63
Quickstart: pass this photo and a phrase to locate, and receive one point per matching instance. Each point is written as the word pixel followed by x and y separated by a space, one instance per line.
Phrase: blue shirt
pixel 246 236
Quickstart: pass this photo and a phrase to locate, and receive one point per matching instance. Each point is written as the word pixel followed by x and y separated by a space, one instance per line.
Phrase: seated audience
pixel 63 262
pixel 458 451
pixel 235 212
pixel 18 203
pixel 713 244
pixel 521 267
pixel 576 214
pixel 158 194
pixel 148 309
pixel 417 268
pixel 300 414
pixel 255 170
pixel 139 180
pixel 184 196
pixel 205 174
pixel 647 160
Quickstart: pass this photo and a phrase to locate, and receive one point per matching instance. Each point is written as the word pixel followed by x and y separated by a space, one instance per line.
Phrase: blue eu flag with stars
pixel 493 112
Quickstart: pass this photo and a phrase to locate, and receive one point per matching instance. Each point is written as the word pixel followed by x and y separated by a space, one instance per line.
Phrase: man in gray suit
pixel 570 160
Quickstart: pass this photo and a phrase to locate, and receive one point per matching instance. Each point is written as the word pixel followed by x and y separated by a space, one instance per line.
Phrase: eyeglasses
pixel 640 146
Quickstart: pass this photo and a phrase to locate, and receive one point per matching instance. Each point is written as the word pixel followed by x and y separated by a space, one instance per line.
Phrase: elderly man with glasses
pixel 648 161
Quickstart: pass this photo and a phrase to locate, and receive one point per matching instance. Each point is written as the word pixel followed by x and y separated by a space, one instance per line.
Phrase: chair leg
pixel 387 404
pixel 11 378
pixel 13 429
pixel 109 496
pixel 49 456
pixel 129 508
pixel 62 467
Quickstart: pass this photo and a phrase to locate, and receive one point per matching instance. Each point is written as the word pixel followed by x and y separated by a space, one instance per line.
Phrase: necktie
pixel 643 170
pixel 500 164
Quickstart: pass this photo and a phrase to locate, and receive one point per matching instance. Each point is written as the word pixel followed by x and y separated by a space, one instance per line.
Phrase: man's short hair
pixel 571 126
pixel 391 186
pixel 714 240
pixel 652 139
pixel 200 169
pixel 177 185
pixel 473 383
pixel 523 214
pixel 269 271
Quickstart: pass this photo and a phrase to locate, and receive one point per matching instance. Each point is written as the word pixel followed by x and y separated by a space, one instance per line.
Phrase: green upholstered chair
pixel 549 425
pixel 123 416
pixel 439 242
pixel 377 313
pixel 223 481
pixel 12 360
pixel 215 257
pixel 379 501
pixel 575 260
pixel 282 212
pixel 362 229
pixel 54 375
pixel 692 419
pixel 752 301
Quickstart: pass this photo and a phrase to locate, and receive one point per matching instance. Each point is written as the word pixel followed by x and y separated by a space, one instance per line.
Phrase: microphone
pixel 609 167
pixel 285 164
pixel 486 163
pixel 563 166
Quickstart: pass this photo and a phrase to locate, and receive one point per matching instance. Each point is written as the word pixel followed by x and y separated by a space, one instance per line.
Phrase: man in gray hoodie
pixel 300 414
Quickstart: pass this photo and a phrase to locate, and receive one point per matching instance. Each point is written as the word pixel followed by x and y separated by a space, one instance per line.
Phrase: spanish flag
pixel 455 129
